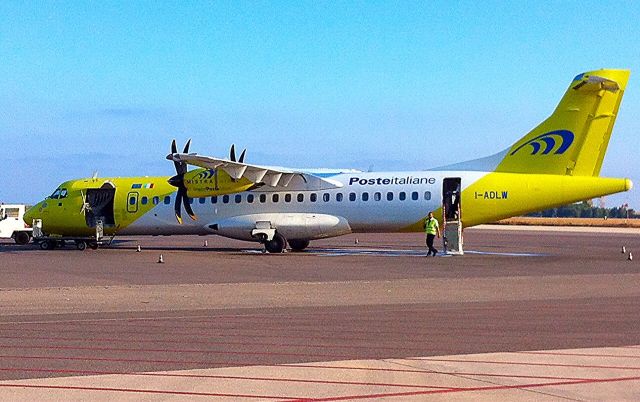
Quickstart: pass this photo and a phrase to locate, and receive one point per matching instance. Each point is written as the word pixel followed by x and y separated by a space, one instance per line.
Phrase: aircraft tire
pixel 22 238
pixel 48 245
pixel 277 244
pixel 298 245
pixel 81 245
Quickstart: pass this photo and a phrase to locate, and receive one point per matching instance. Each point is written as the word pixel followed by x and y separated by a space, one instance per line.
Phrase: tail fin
pixel 574 139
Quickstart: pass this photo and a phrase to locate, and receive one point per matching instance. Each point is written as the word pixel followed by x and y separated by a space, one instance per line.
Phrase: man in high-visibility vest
pixel 432 229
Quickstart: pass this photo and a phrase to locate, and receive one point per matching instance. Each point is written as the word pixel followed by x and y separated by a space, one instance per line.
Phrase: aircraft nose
pixel 30 215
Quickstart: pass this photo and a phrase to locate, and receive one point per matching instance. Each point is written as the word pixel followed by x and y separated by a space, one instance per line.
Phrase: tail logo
pixel 549 140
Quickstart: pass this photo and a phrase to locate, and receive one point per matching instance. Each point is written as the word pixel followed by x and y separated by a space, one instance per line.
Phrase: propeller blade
pixel 186 147
pixel 174 147
pixel 241 158
pixel 232 153
pixel 178 204
pixel 187 207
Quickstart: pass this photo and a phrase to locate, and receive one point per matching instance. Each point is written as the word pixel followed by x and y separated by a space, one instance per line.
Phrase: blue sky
pixel 105 85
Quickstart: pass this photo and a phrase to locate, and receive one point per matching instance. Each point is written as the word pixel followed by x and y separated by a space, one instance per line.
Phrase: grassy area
pixel 594 222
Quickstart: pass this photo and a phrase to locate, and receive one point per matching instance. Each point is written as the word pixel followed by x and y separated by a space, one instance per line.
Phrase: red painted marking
pixel 145 391
pixel 579 354
pixel 525 363
pixel 470 389
pixel 225 377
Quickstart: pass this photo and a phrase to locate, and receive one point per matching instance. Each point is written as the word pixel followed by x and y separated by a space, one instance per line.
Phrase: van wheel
pixel 298 245
pixel 93 245
pixel 22 238
pixel 277 244
pixel 81 245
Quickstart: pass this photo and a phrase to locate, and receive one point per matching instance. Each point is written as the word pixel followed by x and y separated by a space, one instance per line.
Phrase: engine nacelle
pixel 213 182
pixel 291 225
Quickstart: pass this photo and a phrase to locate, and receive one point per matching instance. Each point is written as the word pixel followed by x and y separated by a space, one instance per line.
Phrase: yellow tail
pixel 574 139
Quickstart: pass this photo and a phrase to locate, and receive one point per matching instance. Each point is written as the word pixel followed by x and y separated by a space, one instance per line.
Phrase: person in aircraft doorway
pixel 431 229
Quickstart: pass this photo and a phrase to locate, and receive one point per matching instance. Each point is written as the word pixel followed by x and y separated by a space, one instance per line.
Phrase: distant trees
pixel 585 210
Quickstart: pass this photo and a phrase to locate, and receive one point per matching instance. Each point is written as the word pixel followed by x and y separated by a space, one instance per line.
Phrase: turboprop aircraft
pixel 555 164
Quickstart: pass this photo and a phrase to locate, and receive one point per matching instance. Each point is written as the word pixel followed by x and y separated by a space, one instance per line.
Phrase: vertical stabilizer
pixel 574 139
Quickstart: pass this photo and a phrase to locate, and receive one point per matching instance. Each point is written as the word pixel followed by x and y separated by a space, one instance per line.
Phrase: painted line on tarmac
pixel 145 391
pixel 472 389
pixel 340 252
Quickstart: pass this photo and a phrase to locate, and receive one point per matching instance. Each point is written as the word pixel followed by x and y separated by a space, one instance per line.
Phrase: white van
pixel 11 224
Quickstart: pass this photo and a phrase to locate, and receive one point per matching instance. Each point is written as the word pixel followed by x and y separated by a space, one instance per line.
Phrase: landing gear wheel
pixel 22 238
pixel 277 244
pixel 48 245
pixel 81 245
pixel 94 246
pixel 298 245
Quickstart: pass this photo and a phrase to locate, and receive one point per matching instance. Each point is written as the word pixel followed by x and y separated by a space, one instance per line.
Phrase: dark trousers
pixel 432 249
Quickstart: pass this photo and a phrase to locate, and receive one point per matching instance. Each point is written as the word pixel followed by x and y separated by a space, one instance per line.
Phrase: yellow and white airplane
pixel 555 164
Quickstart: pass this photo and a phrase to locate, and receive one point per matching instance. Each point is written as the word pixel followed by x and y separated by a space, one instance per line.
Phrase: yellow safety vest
pixel 431 226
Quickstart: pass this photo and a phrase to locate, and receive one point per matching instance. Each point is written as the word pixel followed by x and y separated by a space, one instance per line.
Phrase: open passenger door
pixel 452 215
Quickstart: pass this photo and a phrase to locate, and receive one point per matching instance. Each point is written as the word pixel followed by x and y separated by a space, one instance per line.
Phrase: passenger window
pixel 132 200
pixel 377 196
pixel 365 196
pixel 190 201
pixel 167 199
pixel 402 196
pixel 389 196
pixel 275 198
pixel 414 196
pixel 263 198
pixel 225 199
pixel 250 198
pixel 287 197
pixel 156 200
pixel 326 197
pixel 238 198
pixel 313 197
pixel 339 197
pixel 352 196
pixel 427 195
pixel 300 197
pixel 202 200
pixel 214 199
pixel 144 200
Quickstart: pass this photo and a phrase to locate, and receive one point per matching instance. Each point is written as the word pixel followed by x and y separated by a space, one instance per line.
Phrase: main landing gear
pixel 277 244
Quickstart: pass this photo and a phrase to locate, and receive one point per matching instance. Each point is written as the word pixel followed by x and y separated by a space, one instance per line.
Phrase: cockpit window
pixel 56 194
pixel 63 193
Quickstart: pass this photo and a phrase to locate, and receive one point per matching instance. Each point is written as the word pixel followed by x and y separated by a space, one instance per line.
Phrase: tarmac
pixel 528 314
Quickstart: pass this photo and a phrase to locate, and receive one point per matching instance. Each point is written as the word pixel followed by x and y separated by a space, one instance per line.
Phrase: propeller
pixel 232 154
pixel 178 181
pixel 85 205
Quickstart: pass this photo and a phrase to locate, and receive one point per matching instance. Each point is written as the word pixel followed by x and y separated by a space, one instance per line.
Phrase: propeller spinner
pixel 178 181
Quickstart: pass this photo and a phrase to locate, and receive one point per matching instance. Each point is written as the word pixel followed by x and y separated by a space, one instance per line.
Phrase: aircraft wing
pixel 270 176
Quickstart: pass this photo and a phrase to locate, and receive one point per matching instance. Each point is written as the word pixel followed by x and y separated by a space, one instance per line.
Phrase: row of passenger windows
pixel 300 197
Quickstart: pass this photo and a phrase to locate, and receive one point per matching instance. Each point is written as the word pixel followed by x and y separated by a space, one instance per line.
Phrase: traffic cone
pixel 138 249
pixel 160 260
pixel 624 249
pixel 356 241
pixel 630 258
pixel 206 244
